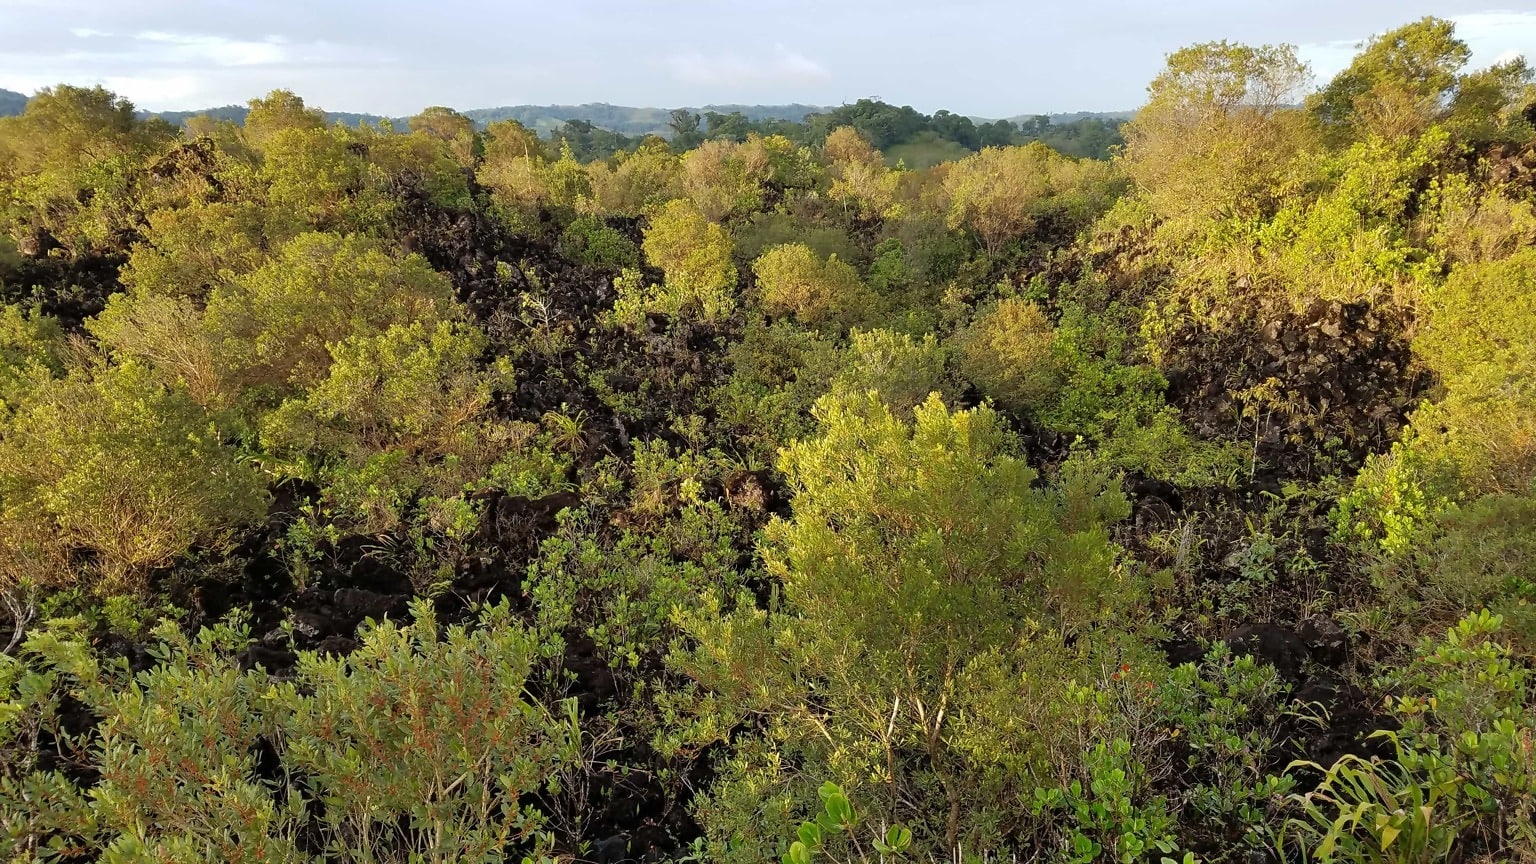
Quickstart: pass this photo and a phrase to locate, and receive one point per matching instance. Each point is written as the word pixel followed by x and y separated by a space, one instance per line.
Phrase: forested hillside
pixel 441 493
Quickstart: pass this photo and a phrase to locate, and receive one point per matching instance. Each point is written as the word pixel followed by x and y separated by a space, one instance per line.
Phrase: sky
pixel 985 58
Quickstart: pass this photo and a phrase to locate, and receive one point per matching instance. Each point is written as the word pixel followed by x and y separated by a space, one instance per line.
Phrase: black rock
pixel 1281 648
pixel 269 659
pixel 1326 640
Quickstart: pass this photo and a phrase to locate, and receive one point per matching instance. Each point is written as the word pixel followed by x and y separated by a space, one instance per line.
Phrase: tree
pixel 858 171
pixel 453 129
pixel 401 413
pixel 1004 193
pixel 918 555
pixel 68 165
pixel 685 129
pixel 793 280
pixel 1399 83
pixel 270 329
pixel 648 177
pixel 1217 133
pixel 1007 352
pixel 905 371
pixel 31 351
pixel 513 170
pixel 279 111
pixel 695 255
pixel 122 466
pixel 724 178
pixel 188 251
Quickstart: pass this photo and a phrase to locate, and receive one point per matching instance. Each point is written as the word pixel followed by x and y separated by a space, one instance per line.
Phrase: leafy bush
pixel 401 413
pixel 695 255
pixel 915 554
pixel 1007 353
pixel 1464 777
pixel 903 370
pixel 793 280
pixel 419 746
pixel 121 466
pixel 590 241
pixel 270 329
pixel 31 349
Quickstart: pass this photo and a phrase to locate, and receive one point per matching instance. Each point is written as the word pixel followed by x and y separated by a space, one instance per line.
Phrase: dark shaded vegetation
pixel 448 493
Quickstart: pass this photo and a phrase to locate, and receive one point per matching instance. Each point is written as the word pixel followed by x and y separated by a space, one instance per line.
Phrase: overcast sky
pixel 988 58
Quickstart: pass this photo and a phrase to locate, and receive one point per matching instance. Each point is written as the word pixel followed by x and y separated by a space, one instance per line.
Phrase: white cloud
pixel 157 90
pixel 215 50
pixel 781 66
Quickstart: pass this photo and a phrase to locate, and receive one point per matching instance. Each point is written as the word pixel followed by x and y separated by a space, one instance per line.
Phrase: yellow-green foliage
pixel 188 250
pixel 638 181
pixel 1350 243
pixel 724 178
pixel 166 334
pixel 919 556
pixel 456 755
pixel 1006 353
pixel 279 111
pixel 512 168
pixel 122 466
pixel 454 132
pixel 1484 555
pixel 902 369
pixel 1479 436
pixel 1397 86
pixel 1003 193
pixel 270 329
pixel 794 281
pixel 428 161
pixel 401 413
pixel 31 348
pixel 1216 136
pixel 695 255
pixel 318 179
pixel 1467 224
pixel 68 163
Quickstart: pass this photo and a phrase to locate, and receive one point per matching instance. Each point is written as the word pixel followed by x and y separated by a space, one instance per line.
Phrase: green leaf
pixel 810 835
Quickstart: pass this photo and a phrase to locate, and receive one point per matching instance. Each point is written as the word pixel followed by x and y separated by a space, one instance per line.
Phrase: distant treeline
pixel 598 130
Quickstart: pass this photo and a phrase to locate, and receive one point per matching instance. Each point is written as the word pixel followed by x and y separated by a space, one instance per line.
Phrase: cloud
pixel 781 66
pixel 217 50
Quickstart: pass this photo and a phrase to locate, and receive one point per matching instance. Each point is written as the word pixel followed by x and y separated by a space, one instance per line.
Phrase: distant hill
pixel 11 102
pixel 541 118
pixel 1080 133
pixel 1075 116
pixel 627 121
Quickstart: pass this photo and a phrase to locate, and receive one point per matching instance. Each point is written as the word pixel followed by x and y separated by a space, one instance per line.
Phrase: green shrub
pixel 123 466
pixel 401 413
pixel 1485 555
pixel 917 554
pixel 695 255
pixel 902 369
pixel 767 230
pixel 270 329
pixel 590 241
pixel 1464 776
pixel 421 745
pixel 794 281
pixel 1007 353
pixel 31 352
